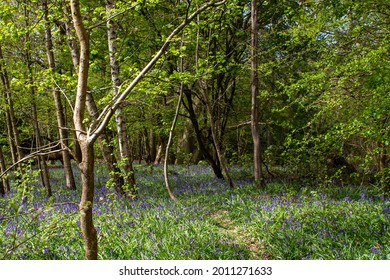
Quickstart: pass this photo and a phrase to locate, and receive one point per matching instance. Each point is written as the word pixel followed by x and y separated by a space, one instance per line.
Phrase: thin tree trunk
pixel 14 154
pixel 166 175
pixel 86 203
pixel 61 122
pixel 41 160
pixel 38 140
pixel 10 108
pixel 4 186
pixel 87 163
pixel 255 128
pixel 123 141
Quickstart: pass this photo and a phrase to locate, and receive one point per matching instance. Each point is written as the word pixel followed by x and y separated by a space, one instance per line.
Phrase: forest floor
pixel 286 220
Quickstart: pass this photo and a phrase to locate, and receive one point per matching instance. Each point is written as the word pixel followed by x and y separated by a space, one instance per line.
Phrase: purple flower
pixel 376 249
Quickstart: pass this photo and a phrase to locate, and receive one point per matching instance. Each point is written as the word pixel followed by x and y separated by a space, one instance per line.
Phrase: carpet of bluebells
pixel 287 220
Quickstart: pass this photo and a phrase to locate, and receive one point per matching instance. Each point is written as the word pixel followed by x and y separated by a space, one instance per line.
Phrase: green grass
pixel 294 220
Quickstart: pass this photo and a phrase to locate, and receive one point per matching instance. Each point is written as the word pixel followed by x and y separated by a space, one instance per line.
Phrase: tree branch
pixel 33 155
pixel 101 122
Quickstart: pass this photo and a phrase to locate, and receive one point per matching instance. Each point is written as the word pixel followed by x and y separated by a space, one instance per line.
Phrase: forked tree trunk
pixel 104 141
pixel 199 137
pixel 255 128
pixel 214 134
pixel 87 161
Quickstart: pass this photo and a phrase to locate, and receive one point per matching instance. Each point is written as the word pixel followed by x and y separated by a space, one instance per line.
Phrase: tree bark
pixel 255 128
pixel 4 186
pixel 86 203
pixel 120 118
pixel 87 162
pixel 15 139
pixel 104 141
pixel 216 141
pixel 45 176
pixel 14 154
pixel 166 175
pixel 198 133
pixel 61 122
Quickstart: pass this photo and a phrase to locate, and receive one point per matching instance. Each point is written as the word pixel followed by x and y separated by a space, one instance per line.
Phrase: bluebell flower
pixel 376 249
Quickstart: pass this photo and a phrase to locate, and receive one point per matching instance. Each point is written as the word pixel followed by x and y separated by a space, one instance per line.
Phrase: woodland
pixel 193 129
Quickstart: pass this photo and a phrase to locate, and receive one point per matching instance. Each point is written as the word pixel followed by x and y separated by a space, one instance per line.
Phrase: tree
pixel 87 136
pixel 4 185
pixel 61 122
pixel 126 157
pixel 257 151
pixel 13 132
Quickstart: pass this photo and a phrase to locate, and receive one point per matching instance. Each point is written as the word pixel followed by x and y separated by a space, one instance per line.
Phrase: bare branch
pixel 42 152
pixel 63 93
pixel 113 16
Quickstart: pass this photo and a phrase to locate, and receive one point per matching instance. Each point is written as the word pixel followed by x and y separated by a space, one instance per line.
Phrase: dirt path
pixel 239 234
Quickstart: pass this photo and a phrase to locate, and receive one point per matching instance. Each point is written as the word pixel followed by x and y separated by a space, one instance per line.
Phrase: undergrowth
pixel 286 220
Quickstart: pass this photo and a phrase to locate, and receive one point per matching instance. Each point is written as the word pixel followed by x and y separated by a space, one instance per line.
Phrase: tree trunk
pixel 123 141
pixel 45 175
pixel 38 140
pixel 14 154
pixel 255 128
pixel 87 162
pixel 166 176
pixel 202 147
pixel 86 203
pixel 10 110
pixel 216 141
pixel 4 186
pixel 104 142
pixel 61 122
